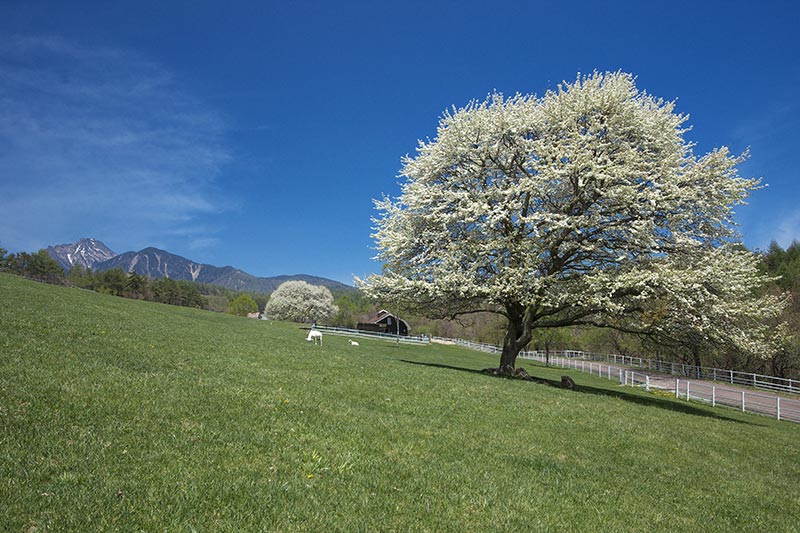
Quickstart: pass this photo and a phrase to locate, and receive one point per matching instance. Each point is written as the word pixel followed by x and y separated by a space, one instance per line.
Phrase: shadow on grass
pixel 638 399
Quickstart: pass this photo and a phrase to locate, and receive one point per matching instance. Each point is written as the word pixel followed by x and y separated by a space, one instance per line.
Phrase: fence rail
pixel 618 367
pixel 745 400
pixel 734 377
pixel 479 346
pixel 346 332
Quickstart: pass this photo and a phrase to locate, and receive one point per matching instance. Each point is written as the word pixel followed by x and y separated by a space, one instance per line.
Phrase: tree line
pixel 137 286
pixel 38 266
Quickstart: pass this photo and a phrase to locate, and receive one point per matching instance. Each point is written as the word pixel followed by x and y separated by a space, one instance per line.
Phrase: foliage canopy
pixel 242 305
pixel 584 206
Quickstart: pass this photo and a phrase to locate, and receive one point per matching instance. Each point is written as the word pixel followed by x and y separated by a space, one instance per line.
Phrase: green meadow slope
pixel 126 415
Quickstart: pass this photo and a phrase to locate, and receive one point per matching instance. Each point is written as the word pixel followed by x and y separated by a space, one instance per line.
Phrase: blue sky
pixel 256 134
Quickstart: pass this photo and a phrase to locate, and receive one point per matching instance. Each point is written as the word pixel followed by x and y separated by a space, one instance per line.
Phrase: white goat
pixel 352 342
pixel 315 337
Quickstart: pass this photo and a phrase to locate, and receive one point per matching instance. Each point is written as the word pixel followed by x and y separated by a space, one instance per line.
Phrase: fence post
pixel 620 376
pixel 609 372
pixel 687 390
pixel 731 371
pixel 647 383
pixel 743 402
pixel 778 399
pixel 677 387
pixel 713 396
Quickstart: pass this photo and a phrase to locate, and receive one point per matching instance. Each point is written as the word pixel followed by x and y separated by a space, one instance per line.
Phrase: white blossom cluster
pixel 586 205
pixel 299 301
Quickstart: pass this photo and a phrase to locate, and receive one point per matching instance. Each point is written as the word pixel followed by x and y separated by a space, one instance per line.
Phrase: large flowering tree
pixel 584 206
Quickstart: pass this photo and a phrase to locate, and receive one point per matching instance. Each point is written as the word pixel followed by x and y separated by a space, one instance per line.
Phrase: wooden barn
pixel 385 322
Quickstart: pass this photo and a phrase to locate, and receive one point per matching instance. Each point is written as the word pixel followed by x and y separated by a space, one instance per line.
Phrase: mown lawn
pixel 127 415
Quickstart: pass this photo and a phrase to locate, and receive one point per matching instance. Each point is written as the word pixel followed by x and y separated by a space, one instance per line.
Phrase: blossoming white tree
pixel 584 206
pixel 301 302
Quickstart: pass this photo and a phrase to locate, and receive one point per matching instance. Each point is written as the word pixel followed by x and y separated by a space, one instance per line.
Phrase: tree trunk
pixel 518 335
pixel 510 351
pixel 547 352
pixel 698 363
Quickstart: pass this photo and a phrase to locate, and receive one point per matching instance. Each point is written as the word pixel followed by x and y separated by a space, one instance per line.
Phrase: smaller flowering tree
pixel 299 301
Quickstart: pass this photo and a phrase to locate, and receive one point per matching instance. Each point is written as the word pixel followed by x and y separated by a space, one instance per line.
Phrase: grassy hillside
pixel 126 415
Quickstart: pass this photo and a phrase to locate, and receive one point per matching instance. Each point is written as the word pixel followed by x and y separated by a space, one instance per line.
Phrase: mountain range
pixel 156 263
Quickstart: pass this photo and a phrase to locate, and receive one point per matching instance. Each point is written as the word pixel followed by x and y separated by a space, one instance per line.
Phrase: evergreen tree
pixel 136 286
pixel 115 281
pixel 39 266
pixel 188 295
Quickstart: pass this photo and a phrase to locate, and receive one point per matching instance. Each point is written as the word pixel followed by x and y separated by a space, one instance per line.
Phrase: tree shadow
pixel 661 403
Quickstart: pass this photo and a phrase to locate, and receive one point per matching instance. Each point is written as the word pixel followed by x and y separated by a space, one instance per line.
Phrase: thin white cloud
pixel 204 243
pixel 788 229
pixel 99 140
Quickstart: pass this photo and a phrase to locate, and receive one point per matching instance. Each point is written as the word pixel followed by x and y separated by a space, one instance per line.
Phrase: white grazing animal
pixel 315 337
pixel 352 342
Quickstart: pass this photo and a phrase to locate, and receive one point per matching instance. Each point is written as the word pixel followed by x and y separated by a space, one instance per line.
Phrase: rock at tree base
pixel 522 374
pixel 509 372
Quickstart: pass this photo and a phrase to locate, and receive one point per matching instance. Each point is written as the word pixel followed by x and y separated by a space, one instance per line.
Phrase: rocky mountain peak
pixel 155 263
pixel 84 252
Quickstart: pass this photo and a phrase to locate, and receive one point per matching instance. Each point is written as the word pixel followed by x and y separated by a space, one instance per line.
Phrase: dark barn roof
pixel 385 322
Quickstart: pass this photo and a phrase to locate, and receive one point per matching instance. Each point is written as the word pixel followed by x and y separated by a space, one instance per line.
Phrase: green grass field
pixel 125 415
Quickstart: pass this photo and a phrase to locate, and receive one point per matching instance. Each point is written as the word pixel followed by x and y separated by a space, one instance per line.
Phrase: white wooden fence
pixel 402 339
pixel 734 377
pixel 618 368
pixel 776 406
